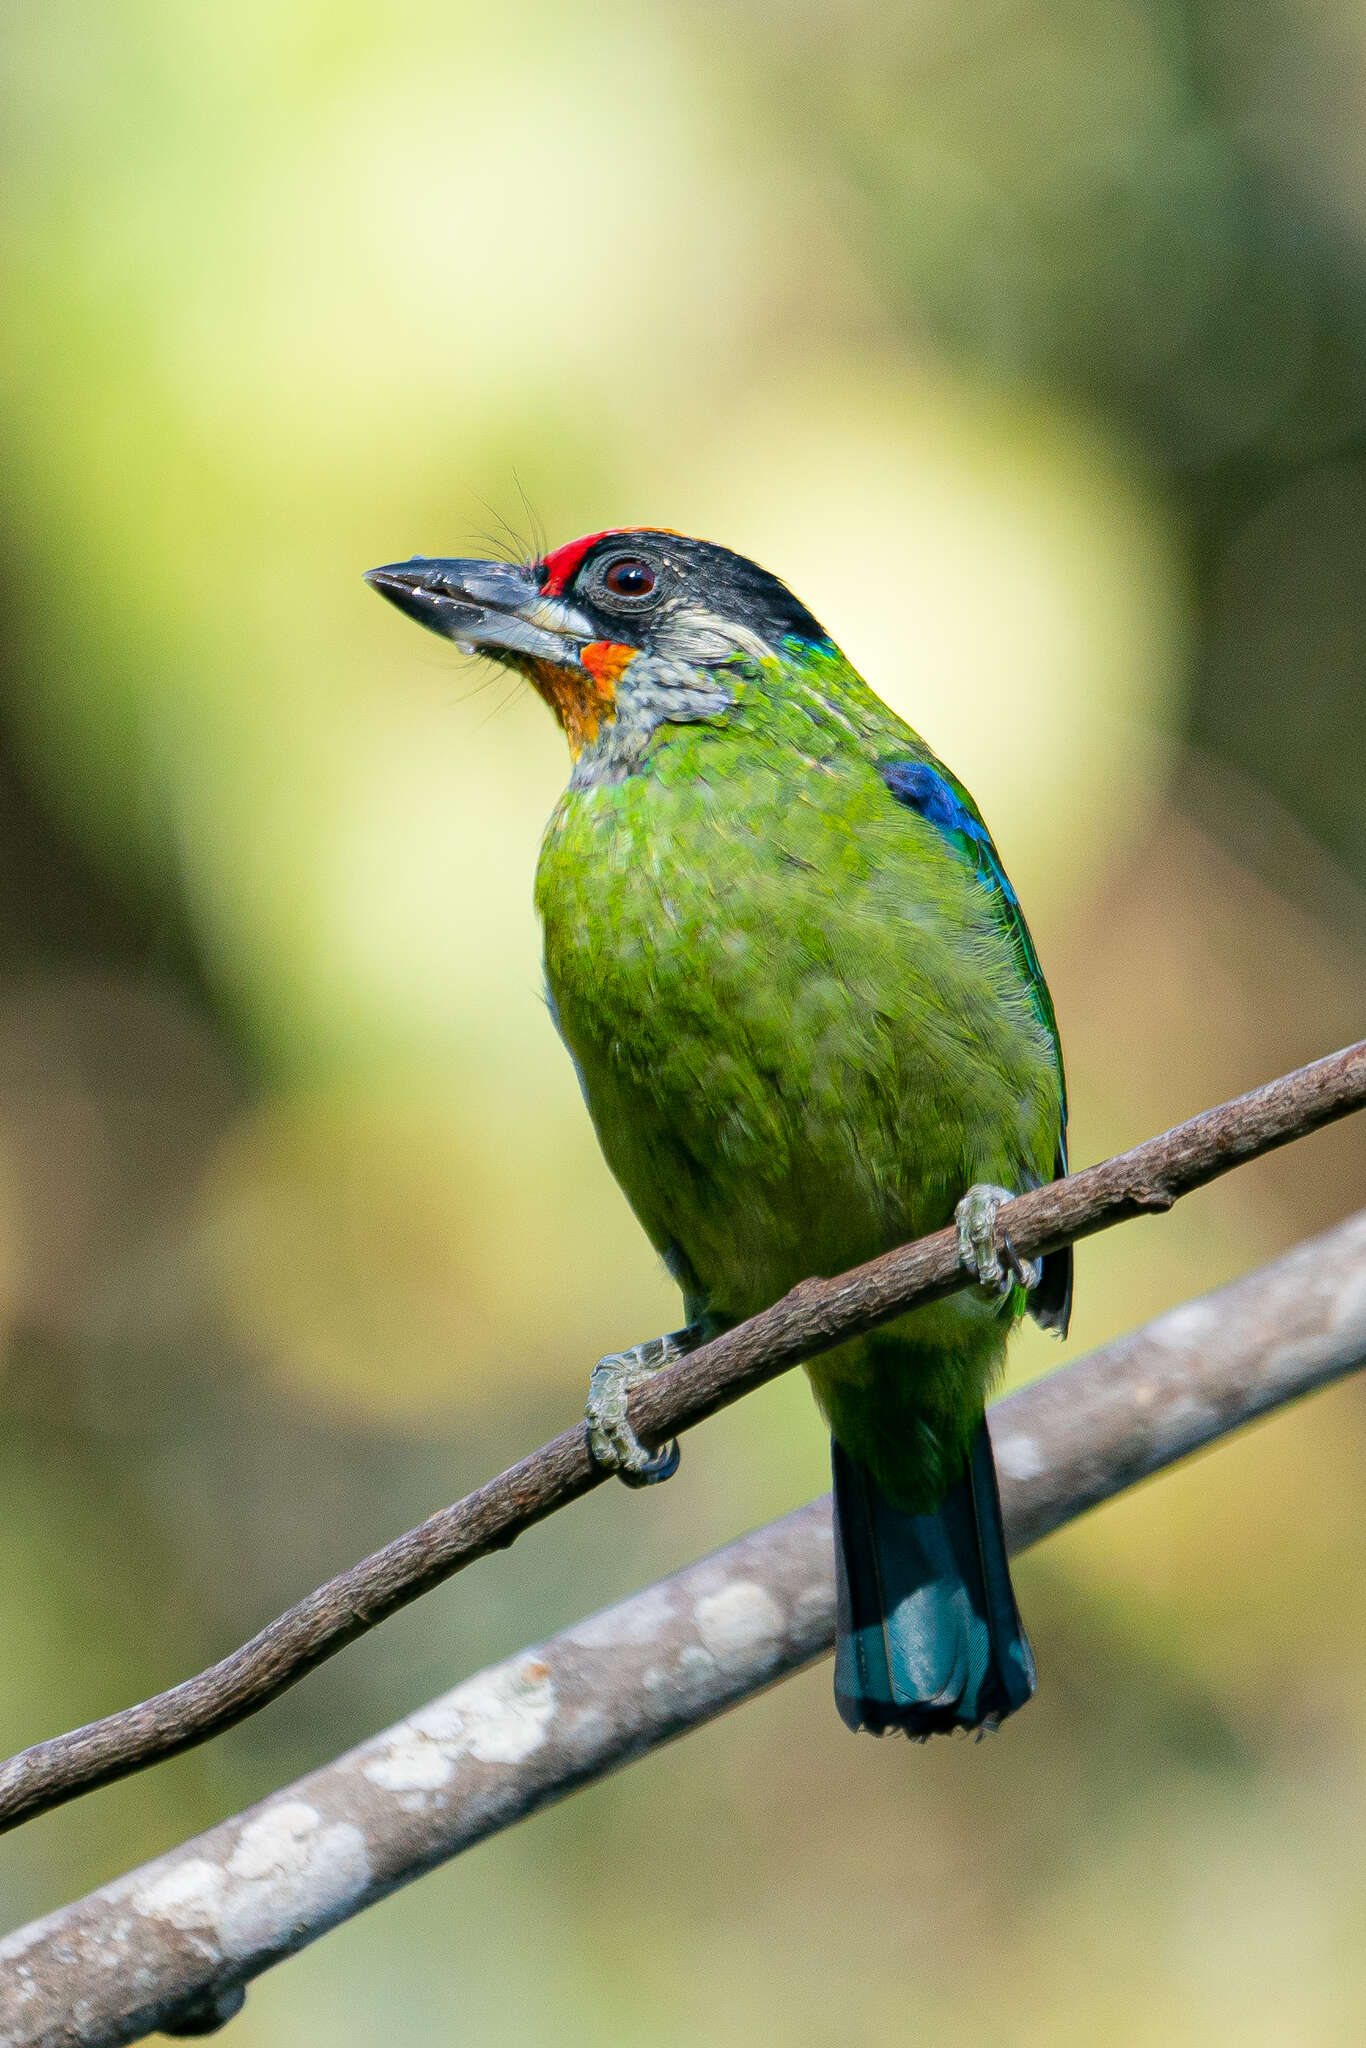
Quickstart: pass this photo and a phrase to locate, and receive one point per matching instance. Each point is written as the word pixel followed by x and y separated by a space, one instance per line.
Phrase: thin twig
pixel 171 1945
pixel 813 1317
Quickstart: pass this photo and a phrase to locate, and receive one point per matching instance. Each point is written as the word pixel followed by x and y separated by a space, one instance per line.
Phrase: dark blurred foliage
pixel 1142 209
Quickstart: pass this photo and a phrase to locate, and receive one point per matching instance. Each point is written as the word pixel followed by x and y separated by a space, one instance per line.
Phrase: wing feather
pixel 927 787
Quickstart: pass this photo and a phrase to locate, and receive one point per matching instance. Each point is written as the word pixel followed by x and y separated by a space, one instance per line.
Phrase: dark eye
pixel 629 577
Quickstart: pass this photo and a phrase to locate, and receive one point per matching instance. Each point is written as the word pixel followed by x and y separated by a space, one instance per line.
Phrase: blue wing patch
pixel 927 789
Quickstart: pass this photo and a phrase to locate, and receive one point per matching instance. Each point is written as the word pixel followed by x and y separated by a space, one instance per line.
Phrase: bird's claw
pixel 995 1271
pixel 612 1442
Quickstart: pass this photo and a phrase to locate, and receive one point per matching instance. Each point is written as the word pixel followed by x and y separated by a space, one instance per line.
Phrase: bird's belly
pixel 773 1087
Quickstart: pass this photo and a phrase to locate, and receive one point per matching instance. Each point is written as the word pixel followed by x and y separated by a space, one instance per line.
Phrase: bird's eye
pixel 629 577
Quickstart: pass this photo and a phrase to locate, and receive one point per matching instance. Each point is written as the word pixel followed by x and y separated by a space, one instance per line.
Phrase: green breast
pixel 800 1034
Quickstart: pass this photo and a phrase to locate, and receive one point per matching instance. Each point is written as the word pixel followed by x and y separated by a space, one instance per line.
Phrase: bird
pixel 810 1024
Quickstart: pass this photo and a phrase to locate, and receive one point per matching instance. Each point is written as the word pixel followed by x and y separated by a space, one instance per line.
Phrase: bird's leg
pixel 612 1443
pixel 995 1272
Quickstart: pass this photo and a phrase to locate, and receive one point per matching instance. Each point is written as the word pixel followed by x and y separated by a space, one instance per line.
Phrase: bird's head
pixel 619 632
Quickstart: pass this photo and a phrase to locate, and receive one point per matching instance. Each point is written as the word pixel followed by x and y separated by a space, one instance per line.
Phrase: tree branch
pixel 171 1945
pixel 813 1317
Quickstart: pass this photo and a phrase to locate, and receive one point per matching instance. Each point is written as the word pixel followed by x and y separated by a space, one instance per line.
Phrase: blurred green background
pixel 1028 342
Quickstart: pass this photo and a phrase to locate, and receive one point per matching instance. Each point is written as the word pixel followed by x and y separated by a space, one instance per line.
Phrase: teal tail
pixel 929 1636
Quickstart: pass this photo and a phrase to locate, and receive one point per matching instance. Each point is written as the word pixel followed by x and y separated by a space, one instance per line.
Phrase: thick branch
pixel 812 1318
pixel 172 1944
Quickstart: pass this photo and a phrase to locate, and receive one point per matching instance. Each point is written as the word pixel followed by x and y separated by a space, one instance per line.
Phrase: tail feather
pixel 929 1636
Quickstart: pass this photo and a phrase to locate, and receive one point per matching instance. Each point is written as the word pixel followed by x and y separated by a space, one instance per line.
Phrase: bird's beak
pixel 486 608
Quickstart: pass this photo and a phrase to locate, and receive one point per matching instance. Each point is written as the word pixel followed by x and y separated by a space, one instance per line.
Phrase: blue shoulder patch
pixel 927 789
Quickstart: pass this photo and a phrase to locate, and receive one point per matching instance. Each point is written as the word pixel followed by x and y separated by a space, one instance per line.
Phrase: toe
pixel 658 1466
pixel 612 1442
pixel 1026 1273
pixel 976 1217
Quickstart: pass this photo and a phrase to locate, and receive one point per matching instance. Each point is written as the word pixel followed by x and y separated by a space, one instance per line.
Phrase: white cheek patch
pixel 694 635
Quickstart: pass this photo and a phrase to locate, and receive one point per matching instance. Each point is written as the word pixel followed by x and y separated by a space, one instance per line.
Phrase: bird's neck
pixel 652 695
pixel 801 699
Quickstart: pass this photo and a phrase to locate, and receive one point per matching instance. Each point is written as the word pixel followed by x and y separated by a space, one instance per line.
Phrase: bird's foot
pixel 612 1443
pixel 996 1271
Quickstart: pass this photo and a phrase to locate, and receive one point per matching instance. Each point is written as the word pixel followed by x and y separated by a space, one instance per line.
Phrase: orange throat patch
pixel 581 698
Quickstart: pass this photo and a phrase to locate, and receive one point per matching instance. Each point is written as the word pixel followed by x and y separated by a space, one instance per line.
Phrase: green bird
pixel 810 1024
